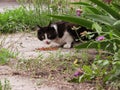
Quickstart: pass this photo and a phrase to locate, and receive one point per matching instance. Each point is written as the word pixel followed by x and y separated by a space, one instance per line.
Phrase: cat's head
pixel 46 34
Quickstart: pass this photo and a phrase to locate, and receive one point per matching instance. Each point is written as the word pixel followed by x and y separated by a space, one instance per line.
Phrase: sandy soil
pixel 26 44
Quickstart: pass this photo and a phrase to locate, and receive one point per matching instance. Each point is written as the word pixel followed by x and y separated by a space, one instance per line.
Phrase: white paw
pixel 67 46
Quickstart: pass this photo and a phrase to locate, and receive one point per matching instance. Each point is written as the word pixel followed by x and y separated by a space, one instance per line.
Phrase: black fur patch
pixel 76 31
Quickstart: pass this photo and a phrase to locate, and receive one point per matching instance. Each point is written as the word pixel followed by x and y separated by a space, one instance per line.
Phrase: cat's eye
pixel 49 36
pixel 42 37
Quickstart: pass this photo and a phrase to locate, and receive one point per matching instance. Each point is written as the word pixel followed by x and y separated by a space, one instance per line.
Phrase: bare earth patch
pixel 25 45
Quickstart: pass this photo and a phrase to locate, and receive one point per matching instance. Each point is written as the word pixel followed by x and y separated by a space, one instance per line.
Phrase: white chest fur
pixel 66 39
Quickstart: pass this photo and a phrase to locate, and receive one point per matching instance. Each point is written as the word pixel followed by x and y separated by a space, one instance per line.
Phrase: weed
pixel 15 20
pixel 50 65
pixel 0 85
pixel 5 56
pixel 6 85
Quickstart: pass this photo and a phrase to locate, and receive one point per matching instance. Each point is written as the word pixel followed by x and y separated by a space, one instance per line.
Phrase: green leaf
pixel 90 7
pixel 87 70
pixel 75 80
pixel 107 8
pixel 117 55
pixel 81 3
pixel 97 27
pixel 78 20
pixel 102 19
pixel 106 45
pixel 115 72
pixel 116 6
pixel 94 10
pixel 116 25
pixel 105 63
pixel 81 78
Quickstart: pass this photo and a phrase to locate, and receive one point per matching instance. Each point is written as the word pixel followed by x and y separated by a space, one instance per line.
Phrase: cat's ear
pixel 38 27
pixel 50 23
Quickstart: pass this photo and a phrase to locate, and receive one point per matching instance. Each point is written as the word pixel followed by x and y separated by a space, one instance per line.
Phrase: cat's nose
pixel 47 42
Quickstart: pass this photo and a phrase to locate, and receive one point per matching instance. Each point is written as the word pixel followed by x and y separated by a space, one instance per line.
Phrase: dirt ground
pixel 25 44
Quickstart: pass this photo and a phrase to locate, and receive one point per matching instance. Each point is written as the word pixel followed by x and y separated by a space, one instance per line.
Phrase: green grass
pixel 5 56
pixel 26 17
pixel 6 85
pixel 21 19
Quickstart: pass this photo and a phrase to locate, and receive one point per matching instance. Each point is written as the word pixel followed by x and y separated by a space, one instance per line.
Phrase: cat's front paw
pixel 54 45
pixel 67 46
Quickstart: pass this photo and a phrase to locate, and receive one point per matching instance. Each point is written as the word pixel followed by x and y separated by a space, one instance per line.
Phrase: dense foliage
pixel 32 13
pixel 104 18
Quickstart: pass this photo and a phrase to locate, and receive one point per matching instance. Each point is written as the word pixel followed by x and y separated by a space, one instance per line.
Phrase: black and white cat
pixel 62 34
